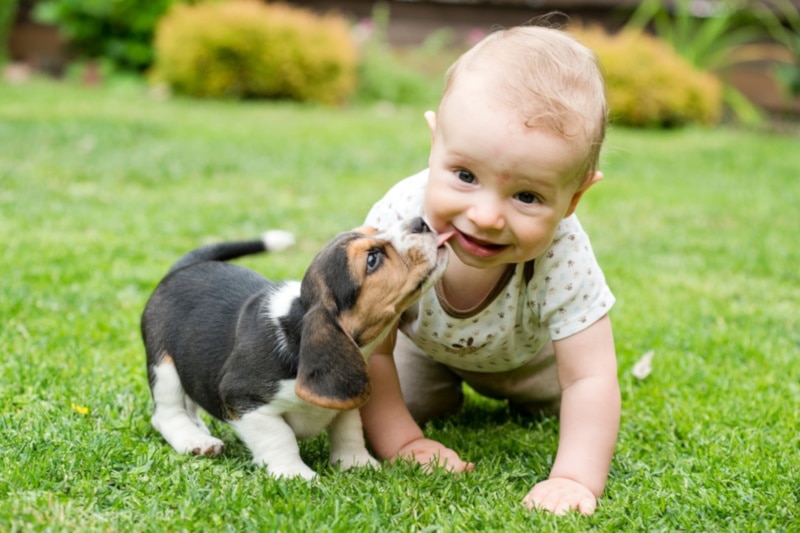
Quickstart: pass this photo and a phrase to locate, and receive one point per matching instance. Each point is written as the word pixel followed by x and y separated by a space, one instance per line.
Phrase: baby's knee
pixel 442 405
pixel 537 409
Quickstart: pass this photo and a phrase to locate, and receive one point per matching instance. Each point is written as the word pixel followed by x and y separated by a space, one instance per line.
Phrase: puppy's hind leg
pixel 193 410
pixel 176 417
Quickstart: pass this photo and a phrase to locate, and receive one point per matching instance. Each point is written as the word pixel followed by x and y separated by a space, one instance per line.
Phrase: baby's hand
pixel 560 495
pixel 431 454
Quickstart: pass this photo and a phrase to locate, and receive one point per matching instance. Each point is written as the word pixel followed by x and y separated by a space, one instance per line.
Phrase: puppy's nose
pixel 419 226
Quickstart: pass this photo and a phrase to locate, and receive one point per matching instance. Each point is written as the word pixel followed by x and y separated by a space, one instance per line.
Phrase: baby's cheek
pixel 435 216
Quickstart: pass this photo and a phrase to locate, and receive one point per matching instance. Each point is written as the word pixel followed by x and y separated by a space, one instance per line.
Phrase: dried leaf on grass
pixel 643 366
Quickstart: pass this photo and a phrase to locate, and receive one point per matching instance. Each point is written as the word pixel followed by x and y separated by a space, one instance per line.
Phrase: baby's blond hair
pixel 555 81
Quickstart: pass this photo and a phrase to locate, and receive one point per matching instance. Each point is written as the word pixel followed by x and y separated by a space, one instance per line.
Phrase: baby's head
pixel 515 144
pixel 552 80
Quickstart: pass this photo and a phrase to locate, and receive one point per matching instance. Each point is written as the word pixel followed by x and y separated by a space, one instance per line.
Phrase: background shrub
pixel 388 74
pixel 8 10
pixel 650 85
pixel 118 31
pixel 254 50
pixel 383 78
pixel 781 18
pixel 713 41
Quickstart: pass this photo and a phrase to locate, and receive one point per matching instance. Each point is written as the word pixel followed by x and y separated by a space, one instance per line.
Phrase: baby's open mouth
pixel 479 247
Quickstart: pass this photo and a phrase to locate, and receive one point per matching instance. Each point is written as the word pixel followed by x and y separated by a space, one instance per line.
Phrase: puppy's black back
pixel 204 316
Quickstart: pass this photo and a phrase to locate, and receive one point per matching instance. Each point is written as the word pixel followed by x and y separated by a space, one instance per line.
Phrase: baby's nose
pixel 487 214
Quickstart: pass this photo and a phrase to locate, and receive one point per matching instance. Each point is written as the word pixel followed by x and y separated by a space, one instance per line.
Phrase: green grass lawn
pixel 100 191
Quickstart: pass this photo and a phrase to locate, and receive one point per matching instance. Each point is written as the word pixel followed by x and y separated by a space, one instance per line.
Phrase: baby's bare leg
pixel 430 389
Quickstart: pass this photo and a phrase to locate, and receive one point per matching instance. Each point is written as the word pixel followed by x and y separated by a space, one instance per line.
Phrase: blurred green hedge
pixel 117 31
pixel 251 49
pixel 8 10
pixel 649 84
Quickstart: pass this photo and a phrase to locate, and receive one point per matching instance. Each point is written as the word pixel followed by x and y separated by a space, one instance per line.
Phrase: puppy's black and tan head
pixel 354 291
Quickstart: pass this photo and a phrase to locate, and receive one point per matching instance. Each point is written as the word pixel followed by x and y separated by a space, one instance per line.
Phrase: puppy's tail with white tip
pixel 276 240
pixel 271 241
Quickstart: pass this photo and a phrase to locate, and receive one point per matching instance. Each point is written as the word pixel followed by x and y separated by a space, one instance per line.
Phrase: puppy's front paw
pixel 291 470
pixel 354 458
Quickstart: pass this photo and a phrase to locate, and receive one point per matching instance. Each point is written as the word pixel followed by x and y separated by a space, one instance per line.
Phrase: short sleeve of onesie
pixel 568 291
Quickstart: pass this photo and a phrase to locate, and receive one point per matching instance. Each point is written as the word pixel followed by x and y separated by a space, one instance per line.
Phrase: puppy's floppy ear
pixel 331 373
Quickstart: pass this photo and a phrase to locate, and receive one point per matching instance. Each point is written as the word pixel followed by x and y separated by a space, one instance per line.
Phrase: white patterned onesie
pixel 559 294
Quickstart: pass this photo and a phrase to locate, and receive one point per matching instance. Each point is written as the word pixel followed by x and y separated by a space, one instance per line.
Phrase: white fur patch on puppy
pixel 272 443
pixel 281 300
pixel 280 303
pixel 346 437
pixel 276 240
pixel 176 416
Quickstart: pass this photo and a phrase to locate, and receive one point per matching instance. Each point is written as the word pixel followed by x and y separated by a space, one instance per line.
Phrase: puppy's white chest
pixel 310 422
pixel 306 420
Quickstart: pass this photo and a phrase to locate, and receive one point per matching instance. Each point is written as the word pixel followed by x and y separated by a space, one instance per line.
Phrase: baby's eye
pixel 527 197
pixel 466 176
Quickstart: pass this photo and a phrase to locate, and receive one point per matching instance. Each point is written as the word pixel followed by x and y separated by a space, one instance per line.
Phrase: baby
pixel 521 312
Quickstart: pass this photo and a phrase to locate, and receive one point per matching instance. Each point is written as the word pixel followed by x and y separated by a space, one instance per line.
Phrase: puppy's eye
pixel 374 260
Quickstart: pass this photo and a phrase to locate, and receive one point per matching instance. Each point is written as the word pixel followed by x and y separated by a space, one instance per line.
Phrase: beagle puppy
pixel 281 361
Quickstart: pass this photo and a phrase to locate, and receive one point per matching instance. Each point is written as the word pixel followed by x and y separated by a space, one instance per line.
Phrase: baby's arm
pixel 590 411
pixel 391 431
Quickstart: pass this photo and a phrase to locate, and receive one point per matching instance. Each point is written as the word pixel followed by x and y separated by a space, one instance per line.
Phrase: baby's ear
pixel 590 180
pixel 430 118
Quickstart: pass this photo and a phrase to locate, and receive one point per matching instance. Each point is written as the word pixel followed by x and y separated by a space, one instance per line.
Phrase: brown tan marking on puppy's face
pixel 392 269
